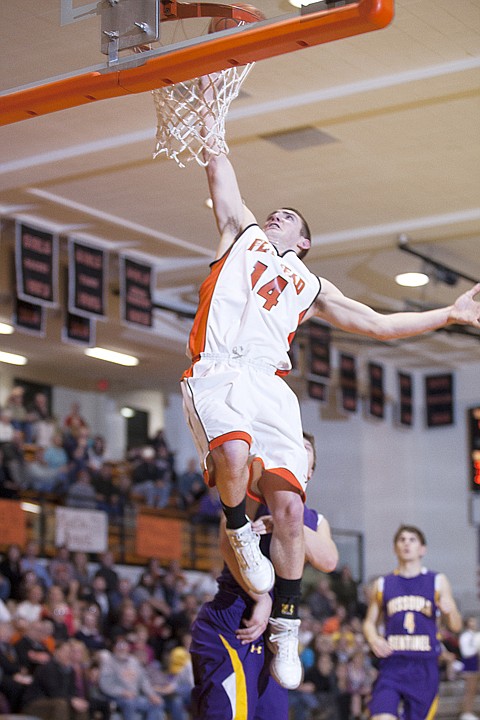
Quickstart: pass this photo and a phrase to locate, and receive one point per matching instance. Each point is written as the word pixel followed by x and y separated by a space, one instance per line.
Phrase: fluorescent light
pixel 303 3
pixel 127 412
pixel 6 329
pixel 12 359
pixel 412 279
pixel 31 507
pixel 112 356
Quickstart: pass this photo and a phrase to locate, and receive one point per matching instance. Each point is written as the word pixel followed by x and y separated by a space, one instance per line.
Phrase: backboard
pixel 65 53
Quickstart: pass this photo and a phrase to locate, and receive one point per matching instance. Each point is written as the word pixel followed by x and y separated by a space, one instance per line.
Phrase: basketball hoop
pixel 182 109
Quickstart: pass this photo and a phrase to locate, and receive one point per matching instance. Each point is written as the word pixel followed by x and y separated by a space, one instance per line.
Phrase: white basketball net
pixel 183 109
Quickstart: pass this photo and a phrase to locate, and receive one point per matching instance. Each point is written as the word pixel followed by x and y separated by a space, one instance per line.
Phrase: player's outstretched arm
pixel 353 316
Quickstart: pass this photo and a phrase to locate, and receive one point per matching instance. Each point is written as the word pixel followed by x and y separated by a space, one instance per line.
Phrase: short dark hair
pixel 309 438
pixel 305 230
pixel 411 529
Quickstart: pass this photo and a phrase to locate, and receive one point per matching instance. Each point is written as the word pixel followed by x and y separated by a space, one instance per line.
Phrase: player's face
pixel 310 456
pixel 284 230
pixel 409 547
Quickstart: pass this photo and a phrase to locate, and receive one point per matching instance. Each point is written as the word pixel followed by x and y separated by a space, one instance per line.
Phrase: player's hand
pixel 380 647
pixel 466 310
pixel 257 623
pixel 263 525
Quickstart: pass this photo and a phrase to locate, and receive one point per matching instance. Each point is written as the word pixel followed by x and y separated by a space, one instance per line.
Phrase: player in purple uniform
pixel 410 601
pixel 229 653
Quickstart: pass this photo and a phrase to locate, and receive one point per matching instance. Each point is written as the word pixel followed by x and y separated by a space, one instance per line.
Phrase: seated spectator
pixel 97 454
pixel 74 420
pixel 56 458
pixel 123 679
pixel 105 488
pixel 124 592
pixel 5 614
pixel 8 488
pixel 6 427
pixel 52 694
pixel 346 589
pixel 89 631
pixel 151 482
pixel 99 703
pixel 96 594
pixel 125 621
pixel 81 571
pixel 31 608
pixel 209 510
pixel 61 569
pixel 31 648
pixel 318 691
pixel 181 620
pixel 76 447
pixel 121 500
pixel 106 569
pixel 80 661
pixel 18 412
pixel 13 679
pixel 321 600
pixel 59 612
pixel 81 493
pixel 11 570
pixel 40 417
pixel 360 677
pixel 191 485
pixel 41 477
pixel 14 466
pixel 30 561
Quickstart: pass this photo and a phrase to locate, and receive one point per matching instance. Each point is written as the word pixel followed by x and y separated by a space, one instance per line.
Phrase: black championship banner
pixel 136 291
pixel 87 273
pixel 348 382
pixel 319 336
pixel 317 390
pixel 29 318
pixel 36 264
pixel 439 399
pixel 376 400
pixel 79 330
pixel 405 392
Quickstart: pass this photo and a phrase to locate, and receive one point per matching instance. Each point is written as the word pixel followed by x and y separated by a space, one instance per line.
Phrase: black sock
pixel 235 516
pixel 287 598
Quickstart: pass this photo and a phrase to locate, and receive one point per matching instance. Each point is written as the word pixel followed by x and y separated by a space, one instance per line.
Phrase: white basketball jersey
pixel 252 303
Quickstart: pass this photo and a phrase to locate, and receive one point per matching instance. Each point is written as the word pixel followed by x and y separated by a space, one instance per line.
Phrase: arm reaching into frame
pixel 377 642
pixel 355 317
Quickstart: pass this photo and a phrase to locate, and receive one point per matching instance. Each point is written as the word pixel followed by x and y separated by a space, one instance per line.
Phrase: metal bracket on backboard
pixel 127 24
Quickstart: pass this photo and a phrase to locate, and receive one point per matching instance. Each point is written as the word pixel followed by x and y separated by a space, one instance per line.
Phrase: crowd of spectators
pixel 79 640
pixel 67 461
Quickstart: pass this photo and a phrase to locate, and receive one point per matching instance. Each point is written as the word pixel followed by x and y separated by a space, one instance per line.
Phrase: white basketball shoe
pixel 256 570
pixel 285 666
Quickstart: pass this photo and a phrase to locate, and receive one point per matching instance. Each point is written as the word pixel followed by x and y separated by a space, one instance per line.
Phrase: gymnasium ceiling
pixel 371 137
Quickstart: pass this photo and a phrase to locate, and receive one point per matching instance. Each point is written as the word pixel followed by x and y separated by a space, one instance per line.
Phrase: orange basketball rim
pixel 259 40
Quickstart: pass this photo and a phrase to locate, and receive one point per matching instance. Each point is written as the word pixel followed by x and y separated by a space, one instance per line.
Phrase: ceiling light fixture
pixel 412 279
pixel 112 356
pixel 127 412
pixel 6 329
pixel 12 359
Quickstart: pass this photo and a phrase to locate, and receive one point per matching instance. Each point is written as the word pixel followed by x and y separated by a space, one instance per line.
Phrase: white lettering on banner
pixel 81 530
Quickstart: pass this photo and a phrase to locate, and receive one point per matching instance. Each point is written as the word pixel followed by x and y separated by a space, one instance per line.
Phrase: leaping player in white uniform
pixel 244 418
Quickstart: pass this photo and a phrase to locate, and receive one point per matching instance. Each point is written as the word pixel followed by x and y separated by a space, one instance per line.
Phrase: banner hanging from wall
pixel 405 391
pixel 348 382
pixel 81 530
pixel 137 282
pixel 376 399
pixel 439 399
pixel 36 265
pixel 13 523
pixel 78 330
pixel 319 337
pixel 29 318
pixel 87 279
